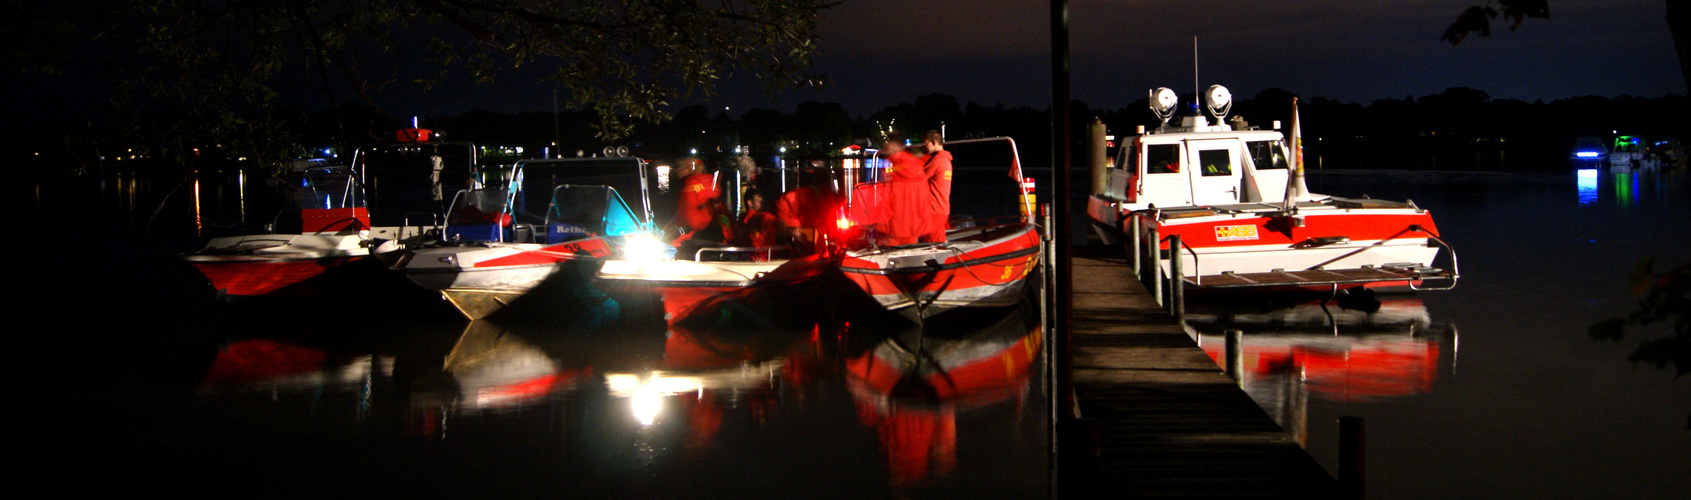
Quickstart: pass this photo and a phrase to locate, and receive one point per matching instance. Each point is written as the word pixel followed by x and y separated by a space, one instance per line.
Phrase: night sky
pixel 880 53
pixel 997 51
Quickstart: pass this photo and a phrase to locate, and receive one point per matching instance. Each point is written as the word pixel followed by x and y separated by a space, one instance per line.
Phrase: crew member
pixel 756 228
pixel 907 205
pixel 937 168
pixel 698 191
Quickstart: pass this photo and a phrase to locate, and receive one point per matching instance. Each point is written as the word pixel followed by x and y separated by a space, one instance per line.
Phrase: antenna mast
pixel 1197 93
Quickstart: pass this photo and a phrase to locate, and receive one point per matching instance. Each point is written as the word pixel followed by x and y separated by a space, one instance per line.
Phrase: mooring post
pixel 1353 437
pixel 1154 247
pixel 1133 251
pixel 1176 280
pixel 1236 355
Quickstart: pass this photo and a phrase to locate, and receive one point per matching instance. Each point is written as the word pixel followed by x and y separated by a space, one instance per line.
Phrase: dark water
pixel 130 376
pixel 134 377
pixel 1493 389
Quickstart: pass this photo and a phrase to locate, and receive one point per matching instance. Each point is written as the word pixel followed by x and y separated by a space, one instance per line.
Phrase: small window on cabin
pixel 1128 159
pixel 1162 158
pixel 1267 155
pixel 1215 162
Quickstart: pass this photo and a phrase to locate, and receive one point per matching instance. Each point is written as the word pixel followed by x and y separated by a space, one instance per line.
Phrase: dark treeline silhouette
pixel 1458 129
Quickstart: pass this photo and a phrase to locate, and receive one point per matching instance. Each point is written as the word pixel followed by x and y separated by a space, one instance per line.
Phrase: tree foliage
pixel 221 63
pixel 1477 19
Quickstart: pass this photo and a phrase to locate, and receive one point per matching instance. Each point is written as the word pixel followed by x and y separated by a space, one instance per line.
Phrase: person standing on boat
pixel 803 211
pixel 937 168
pixel 698 191
pixel 756 228
pixel 907 196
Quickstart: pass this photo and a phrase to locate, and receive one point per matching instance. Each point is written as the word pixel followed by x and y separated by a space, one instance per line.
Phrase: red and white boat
pixel 1236 199
pixel 335 230
pixel 492 259
pixel 982 263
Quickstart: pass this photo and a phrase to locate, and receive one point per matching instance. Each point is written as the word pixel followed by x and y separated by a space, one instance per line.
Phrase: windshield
pixel 1267 155
pixel 588 211
pixel 331 187
pixel 535 181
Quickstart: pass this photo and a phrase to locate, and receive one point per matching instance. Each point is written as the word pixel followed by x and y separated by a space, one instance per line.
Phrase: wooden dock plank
pixel 1171 423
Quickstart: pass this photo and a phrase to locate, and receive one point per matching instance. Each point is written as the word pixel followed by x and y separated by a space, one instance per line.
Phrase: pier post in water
pixel 1353 437
pixel 1133 250
pixel 1236 355
pixel 1154 249
pixel 1176 280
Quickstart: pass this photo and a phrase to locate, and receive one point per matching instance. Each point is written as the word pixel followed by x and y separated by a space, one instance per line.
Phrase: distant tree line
pixel 1458 129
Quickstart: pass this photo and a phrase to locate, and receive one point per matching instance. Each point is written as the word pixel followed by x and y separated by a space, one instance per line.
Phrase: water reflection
pixel 1586 181
pixel 1359 348
pixel 648 392
pixel 1622 187
pixel 910 388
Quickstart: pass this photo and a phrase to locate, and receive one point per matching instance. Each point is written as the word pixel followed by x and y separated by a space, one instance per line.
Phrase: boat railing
pixel 768 253
pixel 1175 241
pixel 405 225
pixel 1455 267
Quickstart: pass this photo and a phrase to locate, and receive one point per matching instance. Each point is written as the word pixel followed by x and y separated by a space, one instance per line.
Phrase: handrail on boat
pixel 1455 267
pixel 768 252
pixel 1197 277
pixel 405 223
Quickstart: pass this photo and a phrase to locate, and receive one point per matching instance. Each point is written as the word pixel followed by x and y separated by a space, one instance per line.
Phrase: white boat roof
pixel 1181 134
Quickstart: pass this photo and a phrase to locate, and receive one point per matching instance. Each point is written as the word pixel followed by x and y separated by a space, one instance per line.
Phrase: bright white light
pixel 643 247
pixel 1586 154
pixel 1588 173
pixel 646 403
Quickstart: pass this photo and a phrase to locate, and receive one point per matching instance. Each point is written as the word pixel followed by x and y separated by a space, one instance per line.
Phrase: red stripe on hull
pixel 1280 231
pixel 254 278
pixel 984 268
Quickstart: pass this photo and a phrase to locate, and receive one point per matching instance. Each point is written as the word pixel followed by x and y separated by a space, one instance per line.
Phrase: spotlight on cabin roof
pixel 1219 101
pixel 1163 100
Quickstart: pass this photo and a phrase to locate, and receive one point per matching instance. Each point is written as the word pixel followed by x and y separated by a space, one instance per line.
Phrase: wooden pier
pixel 1170 422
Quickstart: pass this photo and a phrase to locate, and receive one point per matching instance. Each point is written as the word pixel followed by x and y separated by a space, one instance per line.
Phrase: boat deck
pixel 1170 422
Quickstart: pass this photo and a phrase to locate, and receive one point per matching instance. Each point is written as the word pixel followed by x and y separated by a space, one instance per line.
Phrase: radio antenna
pixel 1197 93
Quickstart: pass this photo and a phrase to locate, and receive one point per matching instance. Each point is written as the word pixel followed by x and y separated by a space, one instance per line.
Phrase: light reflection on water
pixel 386 385
pixel 1362 349
pixel 701 396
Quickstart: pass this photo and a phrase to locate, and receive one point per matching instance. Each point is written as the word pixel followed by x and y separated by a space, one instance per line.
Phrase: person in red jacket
pixel 695 210
pixel 937 168
pixel 907 205
pixel 756 228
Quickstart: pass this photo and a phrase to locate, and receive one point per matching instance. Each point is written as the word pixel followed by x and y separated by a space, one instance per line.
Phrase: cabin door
pixel 1213 166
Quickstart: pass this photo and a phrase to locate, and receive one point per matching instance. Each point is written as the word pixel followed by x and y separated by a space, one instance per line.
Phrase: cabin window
pixel 1267 155
pixel 1215 162
pixel 1162 158
pixel 1129 158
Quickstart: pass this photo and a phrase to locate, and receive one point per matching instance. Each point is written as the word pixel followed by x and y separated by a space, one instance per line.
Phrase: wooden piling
pixel 1236 355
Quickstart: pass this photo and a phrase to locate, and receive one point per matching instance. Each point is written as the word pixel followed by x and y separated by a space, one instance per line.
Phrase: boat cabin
pixel 1195 163
pixel 1198 165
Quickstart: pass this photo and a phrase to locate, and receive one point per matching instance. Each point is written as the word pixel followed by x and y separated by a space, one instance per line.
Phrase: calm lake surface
pixel 135 378
pixel 1493 389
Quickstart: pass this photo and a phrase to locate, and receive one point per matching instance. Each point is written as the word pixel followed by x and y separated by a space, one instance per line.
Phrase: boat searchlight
pixel 1219 101
pixel 1163 100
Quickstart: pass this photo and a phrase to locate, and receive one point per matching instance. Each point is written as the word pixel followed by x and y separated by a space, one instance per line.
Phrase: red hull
pixel 989 276
pixel 255 278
